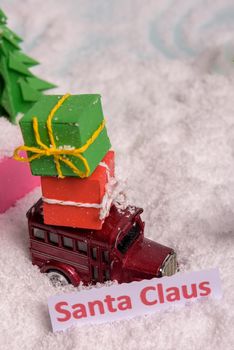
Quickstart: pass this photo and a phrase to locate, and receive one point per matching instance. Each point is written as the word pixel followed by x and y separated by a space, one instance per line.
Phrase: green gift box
pixel 64 135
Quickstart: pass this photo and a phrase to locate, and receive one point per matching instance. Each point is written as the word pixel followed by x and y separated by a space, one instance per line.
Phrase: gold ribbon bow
pixel 58 154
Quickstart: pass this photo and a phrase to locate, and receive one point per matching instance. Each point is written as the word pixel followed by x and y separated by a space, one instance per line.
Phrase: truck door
pixel 100 264
pixel 105 264
pixel 95 264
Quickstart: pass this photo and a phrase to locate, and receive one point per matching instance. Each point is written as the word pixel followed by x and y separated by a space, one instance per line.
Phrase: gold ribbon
pixel 58 154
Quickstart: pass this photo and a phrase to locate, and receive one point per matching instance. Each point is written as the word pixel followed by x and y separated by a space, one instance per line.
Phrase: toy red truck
pixel 119 251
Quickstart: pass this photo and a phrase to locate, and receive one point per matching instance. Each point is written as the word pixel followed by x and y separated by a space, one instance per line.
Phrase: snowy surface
pixel 168 95
pixel 9 132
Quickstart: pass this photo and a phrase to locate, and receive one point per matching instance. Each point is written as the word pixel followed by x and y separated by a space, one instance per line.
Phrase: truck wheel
pixel 57 278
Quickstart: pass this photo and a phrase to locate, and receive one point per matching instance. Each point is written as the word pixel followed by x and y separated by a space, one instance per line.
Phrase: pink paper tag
pixel 16 181
pixel 119 301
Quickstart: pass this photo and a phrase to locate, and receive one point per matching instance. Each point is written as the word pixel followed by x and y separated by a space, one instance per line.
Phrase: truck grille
pixel 169 266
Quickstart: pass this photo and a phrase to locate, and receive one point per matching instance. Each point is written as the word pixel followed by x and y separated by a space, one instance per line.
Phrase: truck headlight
pixel 169 266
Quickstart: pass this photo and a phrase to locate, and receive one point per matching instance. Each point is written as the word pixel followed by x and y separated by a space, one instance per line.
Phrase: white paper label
pixel 119 301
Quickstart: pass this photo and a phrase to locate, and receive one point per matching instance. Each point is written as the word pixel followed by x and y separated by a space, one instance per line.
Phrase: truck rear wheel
pixel 57 278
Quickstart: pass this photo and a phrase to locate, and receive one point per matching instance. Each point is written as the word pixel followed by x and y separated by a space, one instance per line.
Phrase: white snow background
pixel 165 73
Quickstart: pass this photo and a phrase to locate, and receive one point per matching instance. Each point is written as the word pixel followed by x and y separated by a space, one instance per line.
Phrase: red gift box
pixel 75 202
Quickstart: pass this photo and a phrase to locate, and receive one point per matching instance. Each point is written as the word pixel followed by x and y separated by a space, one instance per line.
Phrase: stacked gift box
pixel 67 145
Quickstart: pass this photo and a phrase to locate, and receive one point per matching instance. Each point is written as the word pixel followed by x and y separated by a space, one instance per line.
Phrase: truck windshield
pixel 129 238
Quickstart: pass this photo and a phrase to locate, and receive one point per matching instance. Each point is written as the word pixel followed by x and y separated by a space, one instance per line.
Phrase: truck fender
pixel 67 270
pixel 116 270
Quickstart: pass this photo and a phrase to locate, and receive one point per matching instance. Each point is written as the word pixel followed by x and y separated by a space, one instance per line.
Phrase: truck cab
pixel 119 251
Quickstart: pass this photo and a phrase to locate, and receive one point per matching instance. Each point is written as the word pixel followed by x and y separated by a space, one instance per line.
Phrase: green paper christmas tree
pixel 19 88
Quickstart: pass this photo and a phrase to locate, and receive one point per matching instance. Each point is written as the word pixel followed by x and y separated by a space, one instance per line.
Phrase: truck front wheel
pixel 57 278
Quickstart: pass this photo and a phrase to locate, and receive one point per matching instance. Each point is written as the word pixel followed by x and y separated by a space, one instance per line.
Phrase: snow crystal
pixel 10 138
pixel 66 147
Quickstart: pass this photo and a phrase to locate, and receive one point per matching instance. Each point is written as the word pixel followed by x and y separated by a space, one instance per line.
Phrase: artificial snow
pixel 10 138
pixel 170 118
